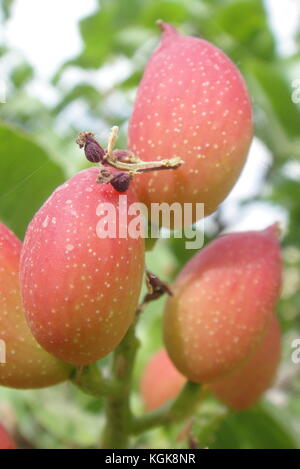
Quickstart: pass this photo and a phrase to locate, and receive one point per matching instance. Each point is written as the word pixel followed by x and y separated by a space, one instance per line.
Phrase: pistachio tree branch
pixel 120 422
pixel 146 166
pixel 122 160
pixel 181 409
pixel 119 416
pixel 118 411
pixel 91 381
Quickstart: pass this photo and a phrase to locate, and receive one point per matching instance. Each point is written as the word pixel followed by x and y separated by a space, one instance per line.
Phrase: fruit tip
pixel 166 28
pixel 276 229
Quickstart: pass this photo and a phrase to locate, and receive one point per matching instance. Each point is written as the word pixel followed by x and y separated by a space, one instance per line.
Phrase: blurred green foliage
pixel 30 176
pixel 37 152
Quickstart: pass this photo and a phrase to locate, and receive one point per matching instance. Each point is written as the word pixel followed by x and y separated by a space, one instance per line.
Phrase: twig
pixel 121 159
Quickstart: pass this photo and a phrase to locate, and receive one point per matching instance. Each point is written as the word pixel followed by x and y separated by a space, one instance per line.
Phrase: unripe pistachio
pixel 80 288
pixel 192 103
pixel 26 364
pixel 222 301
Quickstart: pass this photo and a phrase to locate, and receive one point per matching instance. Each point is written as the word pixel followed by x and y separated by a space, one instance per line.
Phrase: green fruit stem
pixel 121 424
pixel 181 409
pixel 90 380
pixel 118 411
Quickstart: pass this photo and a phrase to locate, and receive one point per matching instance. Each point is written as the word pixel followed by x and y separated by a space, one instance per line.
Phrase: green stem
pixel 181 409
pixel 120 423
pixel 90 380
pixel 145 166
pixel 118 412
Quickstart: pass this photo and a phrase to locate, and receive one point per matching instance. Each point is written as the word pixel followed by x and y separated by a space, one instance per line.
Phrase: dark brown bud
pixel 155 285
pixel 121 181
pixel 93 151
pixel 156 288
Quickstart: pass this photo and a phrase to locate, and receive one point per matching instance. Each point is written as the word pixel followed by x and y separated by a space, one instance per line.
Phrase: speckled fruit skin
pixel 160 381
pixel 80 291
pixel 6 441
pixel 27 364
pixel 193 103
pixel 222 302
pixel 244 387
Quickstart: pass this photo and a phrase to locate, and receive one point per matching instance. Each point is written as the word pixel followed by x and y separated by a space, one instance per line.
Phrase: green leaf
pixel 262 427
pixel 245 21
pixel 100 30
pixel 278 91
pixel 172 11
pixel 27 178
pixel 207 422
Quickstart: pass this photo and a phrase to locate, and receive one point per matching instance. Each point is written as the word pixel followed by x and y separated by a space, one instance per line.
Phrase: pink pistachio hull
pixel 223 300
pixel 160 381
pixel 80 291
pixel 26 365
pixel 193 103
pixel 244 386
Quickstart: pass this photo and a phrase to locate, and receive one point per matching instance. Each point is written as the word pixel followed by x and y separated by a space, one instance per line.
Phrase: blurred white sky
pixel 46 33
